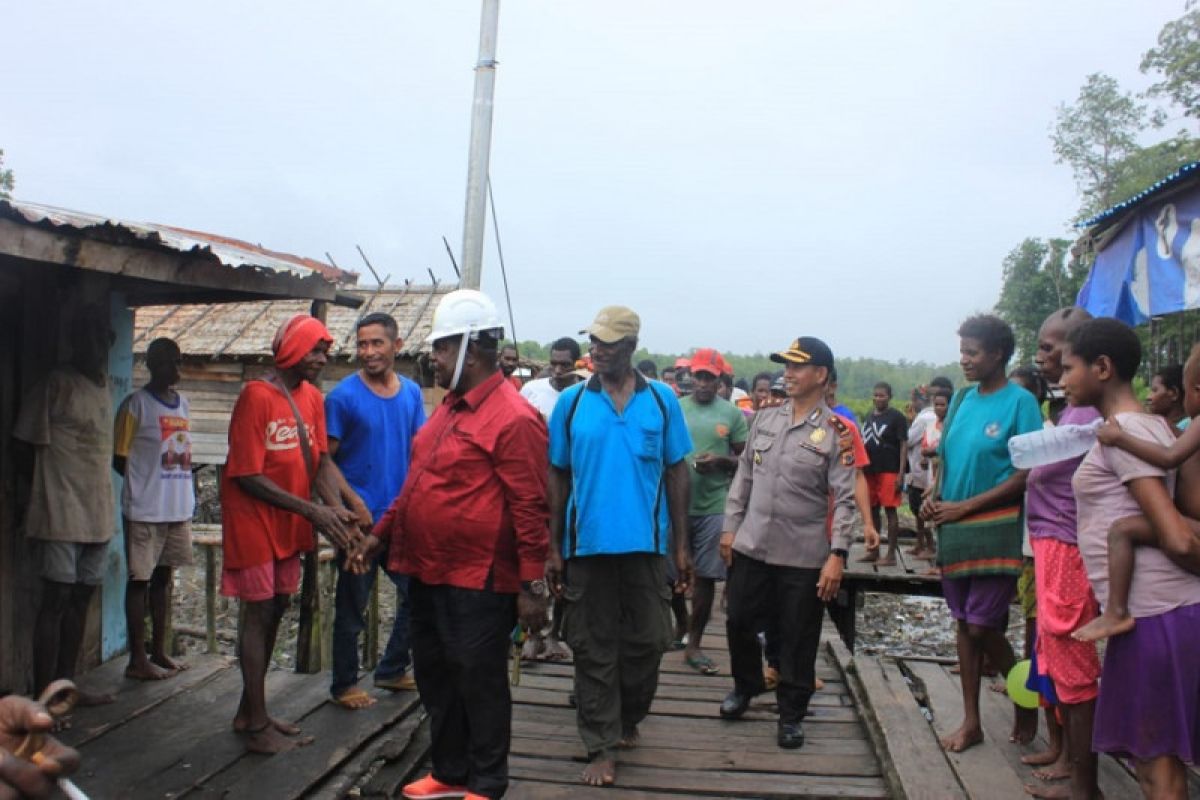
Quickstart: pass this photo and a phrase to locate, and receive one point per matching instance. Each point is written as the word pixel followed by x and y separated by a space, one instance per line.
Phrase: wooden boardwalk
pixel 686 749
pixel 172 738
pixel 872 734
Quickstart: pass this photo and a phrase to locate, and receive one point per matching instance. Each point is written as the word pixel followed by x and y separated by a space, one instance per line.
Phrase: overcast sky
pixel 738 173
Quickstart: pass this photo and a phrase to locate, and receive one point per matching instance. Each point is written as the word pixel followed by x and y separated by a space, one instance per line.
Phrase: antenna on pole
pixel 480 148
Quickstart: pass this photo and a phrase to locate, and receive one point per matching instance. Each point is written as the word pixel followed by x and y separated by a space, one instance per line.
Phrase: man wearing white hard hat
pixel 469 528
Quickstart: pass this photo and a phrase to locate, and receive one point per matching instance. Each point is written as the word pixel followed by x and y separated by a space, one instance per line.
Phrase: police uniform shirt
pixel 780 497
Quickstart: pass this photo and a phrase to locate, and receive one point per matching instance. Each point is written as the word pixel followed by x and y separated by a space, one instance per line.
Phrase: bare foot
pixel 1104 626
pixel 533 648
pixel 147 671
pixel 600 771
pixel 887 561
pixel 166 662
pixel 86 698
pixel 1041 758
pixel 630 738
pixel 1059 771
pixel 1025 725
pixel 818 685
pixel 999 687
pixel 870 556
pixel 933 571
pixel 286 728
pixel 270 741
pixel 1049 792
pixel 962 739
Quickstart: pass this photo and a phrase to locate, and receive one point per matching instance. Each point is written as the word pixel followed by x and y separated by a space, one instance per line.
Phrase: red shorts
pixel 883 489
pixel 263 581
pixel 1065 604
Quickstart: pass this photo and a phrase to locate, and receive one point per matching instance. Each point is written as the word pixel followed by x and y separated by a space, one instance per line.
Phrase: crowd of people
pixel 598 506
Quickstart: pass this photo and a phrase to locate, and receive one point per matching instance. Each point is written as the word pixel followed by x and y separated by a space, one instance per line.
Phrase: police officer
pixel 782 566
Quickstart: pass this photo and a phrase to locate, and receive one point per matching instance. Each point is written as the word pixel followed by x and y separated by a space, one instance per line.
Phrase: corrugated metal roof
pixel 229 251
pixel 1171 180
pixel 246 329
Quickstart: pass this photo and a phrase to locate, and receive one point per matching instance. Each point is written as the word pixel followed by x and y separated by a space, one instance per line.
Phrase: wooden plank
pixel 717 757
pixel 392 776
pixel 983 770
pixel 532 790
pixel 763 707
pixel 914 762
pixel 996 713
pixel 153 742
pixel 134 698
pixel 708 783
pixel 340 733
pixel 387 746
pixel 549 690
pixel 289 696
pixel 759 739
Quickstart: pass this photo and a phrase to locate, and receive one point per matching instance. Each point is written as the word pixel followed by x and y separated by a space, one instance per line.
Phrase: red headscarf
pixel 296 338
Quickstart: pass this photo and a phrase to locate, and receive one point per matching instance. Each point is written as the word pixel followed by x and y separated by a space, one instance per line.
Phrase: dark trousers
pixel 784 601
pixel 461 639
pixel 617 622
pixel 349 620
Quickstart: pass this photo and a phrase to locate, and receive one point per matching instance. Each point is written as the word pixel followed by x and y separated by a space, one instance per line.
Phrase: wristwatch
pixel 841 551
pixel 536 588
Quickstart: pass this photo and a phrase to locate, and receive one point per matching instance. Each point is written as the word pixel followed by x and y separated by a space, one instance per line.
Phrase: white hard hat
pixel 465 312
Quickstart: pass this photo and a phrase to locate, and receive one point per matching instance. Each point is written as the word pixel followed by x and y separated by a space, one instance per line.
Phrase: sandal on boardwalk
pixel 354 699
pixel 702 664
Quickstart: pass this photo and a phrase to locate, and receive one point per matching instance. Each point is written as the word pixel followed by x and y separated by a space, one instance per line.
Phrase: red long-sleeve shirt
pixel 474 502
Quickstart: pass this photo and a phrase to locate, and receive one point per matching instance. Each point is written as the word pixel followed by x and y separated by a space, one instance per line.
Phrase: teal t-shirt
pixel 714 427
pixel 974 445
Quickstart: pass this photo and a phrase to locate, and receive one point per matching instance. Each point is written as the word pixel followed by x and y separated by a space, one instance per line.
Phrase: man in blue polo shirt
pixel 618 496
pixel 371 417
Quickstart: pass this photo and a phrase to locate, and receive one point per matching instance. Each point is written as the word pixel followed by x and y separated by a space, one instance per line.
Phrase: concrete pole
pixel 481 143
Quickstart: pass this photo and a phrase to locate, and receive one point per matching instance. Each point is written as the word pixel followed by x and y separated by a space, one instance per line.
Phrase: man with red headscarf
pixel 278 458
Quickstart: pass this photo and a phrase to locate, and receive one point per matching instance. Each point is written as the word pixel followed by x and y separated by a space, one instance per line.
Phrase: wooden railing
pixel 314 640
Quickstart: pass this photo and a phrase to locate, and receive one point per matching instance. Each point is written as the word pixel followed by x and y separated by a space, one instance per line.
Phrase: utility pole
pixel 481 143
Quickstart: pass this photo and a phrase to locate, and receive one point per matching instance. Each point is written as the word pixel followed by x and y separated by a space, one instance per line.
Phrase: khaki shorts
pixel 73 562
pixel 156 544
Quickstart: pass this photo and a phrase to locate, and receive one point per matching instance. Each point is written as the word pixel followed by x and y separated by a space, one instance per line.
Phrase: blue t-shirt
pixel 374 437
pixel 974 446
pixel 618 500
pixel 846 414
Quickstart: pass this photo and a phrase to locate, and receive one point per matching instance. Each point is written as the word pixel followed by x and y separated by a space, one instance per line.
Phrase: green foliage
pixel 7 182
pixel 1147 165
pixel 1176 62
pixel 1039 278
pixel 1095 135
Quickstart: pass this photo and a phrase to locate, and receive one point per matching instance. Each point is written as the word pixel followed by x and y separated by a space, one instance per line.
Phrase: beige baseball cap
pixel 613 324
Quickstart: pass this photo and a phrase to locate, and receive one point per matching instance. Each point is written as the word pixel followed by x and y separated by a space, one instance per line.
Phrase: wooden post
pixel 210 598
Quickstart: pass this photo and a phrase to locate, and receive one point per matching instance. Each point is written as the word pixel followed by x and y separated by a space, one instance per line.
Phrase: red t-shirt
pixel 264 440
pixel 473 507
pixel 861 461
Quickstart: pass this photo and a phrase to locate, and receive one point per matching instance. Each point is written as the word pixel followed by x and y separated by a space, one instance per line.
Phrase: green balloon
pixel 1015 682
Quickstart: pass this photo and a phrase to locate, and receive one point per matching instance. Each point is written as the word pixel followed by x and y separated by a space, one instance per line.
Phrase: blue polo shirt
pixel 618 501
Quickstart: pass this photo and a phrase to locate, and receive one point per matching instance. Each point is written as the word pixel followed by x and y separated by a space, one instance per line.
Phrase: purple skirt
pixel 1149 703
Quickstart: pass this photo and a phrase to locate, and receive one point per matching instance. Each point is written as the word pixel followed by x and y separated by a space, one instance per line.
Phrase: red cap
pixel 708 360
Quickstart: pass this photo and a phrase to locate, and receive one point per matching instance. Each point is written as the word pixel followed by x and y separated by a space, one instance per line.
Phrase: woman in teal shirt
pixel 977 508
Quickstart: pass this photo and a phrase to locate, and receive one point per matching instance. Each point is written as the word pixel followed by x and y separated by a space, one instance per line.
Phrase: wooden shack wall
pixel 36 302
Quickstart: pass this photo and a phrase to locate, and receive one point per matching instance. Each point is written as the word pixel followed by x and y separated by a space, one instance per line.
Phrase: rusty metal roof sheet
pixel 229 251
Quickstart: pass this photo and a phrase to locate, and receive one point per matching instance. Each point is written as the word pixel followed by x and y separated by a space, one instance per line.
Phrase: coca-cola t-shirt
pixel 264 440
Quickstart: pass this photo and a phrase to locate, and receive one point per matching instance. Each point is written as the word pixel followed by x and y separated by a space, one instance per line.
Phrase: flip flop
pixel 353 699
pixel 678 644
pixel 702 664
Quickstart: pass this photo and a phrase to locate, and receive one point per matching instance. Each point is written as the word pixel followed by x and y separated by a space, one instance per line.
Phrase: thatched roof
pixel 233 330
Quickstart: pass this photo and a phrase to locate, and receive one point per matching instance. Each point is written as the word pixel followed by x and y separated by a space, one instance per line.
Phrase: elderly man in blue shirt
pixel 618 505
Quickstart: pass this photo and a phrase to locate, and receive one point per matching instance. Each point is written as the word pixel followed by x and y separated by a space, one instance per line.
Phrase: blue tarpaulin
pixel 1152 266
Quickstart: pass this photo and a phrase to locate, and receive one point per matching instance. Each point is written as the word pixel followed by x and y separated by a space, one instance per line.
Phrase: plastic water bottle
pixel 1051 445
